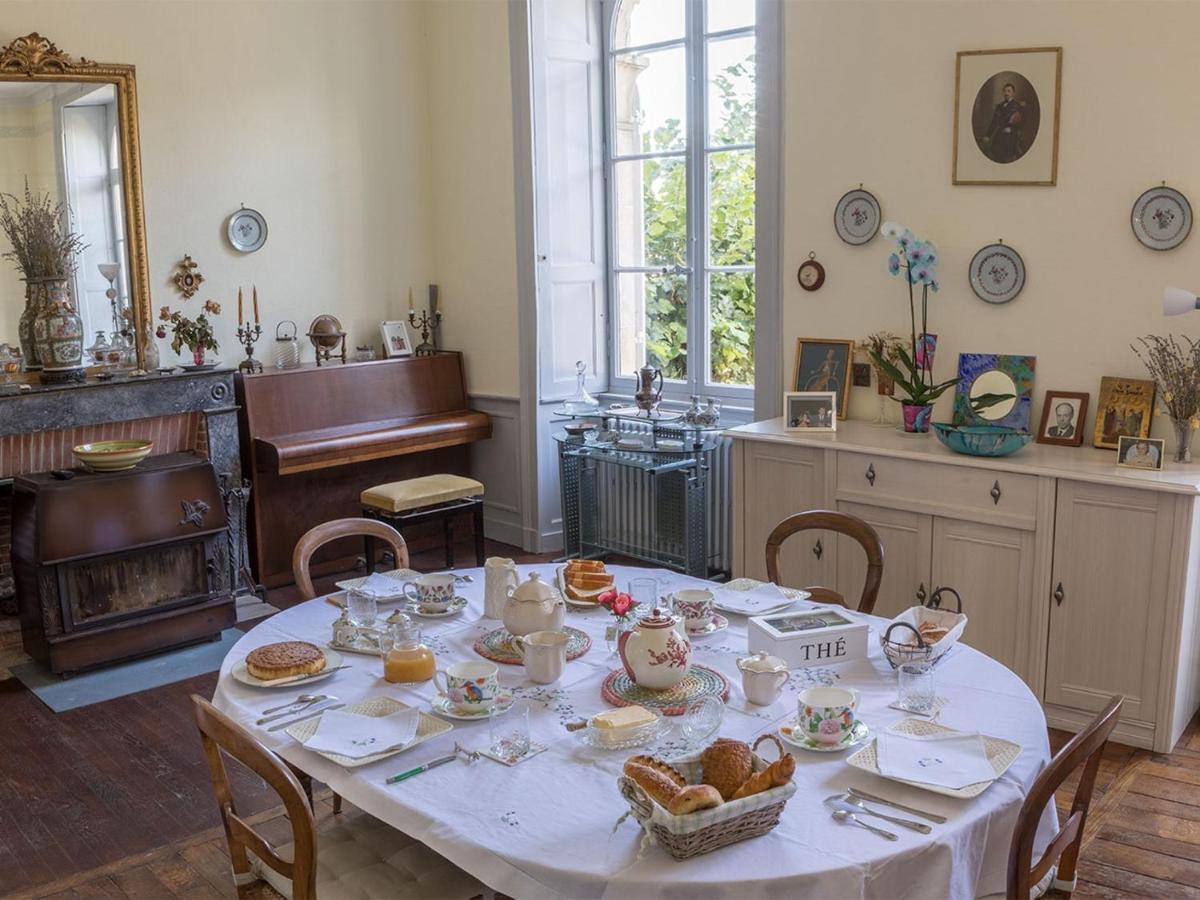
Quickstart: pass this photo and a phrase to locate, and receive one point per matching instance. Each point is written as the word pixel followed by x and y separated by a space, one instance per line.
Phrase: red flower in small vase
pixel 621 605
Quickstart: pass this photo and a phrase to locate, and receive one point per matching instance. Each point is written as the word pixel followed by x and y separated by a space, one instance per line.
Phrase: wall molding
pixel 494 462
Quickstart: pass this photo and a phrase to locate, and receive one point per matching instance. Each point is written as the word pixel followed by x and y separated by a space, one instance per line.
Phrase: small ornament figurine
pixel 187 279
pixel 344 631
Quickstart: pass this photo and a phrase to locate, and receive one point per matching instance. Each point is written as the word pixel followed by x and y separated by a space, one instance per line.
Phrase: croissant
pixel 776 774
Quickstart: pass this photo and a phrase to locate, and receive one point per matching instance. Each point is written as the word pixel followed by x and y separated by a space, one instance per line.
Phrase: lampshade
pixel 1177 301
pixel 109 270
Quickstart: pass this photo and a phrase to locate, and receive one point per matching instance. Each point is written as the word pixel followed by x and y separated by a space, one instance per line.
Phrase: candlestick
pixel 428 325
pixel 248 336
pixel 240 320
pixel 256 304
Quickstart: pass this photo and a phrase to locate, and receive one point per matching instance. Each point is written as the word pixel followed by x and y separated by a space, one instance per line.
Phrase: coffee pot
pixel 646 397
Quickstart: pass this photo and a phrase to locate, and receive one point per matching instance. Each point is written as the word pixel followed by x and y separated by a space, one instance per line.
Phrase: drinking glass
pixel 363 608
pixel 644 592
pixel 916 687
pixel 701 720
pixel 508 732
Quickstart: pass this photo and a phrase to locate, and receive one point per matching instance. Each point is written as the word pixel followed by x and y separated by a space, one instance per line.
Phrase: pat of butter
pixel 625 717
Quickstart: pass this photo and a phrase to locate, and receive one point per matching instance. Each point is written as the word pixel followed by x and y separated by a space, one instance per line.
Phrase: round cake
pixel 284 660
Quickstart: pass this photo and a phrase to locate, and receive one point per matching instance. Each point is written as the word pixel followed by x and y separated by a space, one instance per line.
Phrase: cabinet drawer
pixel 939 489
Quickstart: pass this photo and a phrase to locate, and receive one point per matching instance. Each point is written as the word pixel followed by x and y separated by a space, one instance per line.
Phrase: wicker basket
pixel 895 641
pixel 710 829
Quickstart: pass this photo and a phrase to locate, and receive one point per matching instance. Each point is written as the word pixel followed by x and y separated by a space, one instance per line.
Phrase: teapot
pixel 533 605
pixel 656 654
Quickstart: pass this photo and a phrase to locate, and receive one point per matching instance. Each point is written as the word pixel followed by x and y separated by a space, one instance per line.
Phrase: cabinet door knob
pixel 1059 594
pixel 818 550
pixel 921 595
pixel 871 474
pixel 995 492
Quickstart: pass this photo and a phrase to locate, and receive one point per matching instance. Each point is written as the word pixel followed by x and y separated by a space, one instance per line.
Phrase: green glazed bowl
pixel 981 440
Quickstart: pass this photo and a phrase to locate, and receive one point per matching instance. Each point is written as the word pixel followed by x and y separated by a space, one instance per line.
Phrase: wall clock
pixel 997 273
pixel 857 216
pixel 247 230
pixel 1161 218
pixel 811 274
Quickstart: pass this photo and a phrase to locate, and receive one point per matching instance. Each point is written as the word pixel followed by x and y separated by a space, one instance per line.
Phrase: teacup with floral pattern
pixel 826 715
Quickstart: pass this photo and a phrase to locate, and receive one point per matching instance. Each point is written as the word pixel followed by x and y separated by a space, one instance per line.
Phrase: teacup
pixel 695 605
pixel 826 714
pixel 544 654
pixel 763 677
pixel 434 593
pixel 471 686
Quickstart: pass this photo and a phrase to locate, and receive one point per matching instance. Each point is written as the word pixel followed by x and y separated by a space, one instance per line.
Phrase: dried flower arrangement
pixel 1176 371
pixel 43 245
pixel 196 334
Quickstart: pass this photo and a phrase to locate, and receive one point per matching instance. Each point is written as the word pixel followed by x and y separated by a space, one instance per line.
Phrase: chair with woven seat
pixel 315 538
pixel 842 523
pixel 360 858
pixel 432 498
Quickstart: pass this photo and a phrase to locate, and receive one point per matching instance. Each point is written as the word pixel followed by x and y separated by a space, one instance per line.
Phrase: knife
pixel 424 767
pixel 863 795
pixel 311 715
pixel 297 679
pixel 838 801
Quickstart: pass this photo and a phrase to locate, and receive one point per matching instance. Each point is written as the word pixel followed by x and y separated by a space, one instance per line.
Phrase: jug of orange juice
pixel 408 660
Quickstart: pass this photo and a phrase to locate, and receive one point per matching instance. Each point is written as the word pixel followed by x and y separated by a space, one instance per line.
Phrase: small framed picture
pixel 396 341
pixel 1140 452
pixel 1063 415
pixel 824 365
pixel 810 411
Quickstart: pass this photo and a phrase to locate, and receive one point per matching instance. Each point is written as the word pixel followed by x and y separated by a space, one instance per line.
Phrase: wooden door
pixel 991 567
pixel 779 480
pixel 1108 588
pixel 907 539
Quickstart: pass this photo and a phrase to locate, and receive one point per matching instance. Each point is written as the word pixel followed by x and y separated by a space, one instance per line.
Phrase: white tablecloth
pixel 545 828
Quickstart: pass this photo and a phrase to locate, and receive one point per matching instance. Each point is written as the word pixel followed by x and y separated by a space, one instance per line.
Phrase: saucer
pixel 443 707
pixel 717 623
pixel 859 733
pixel 457 605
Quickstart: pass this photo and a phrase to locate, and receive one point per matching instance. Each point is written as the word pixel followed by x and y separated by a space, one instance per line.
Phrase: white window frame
pixel 696 156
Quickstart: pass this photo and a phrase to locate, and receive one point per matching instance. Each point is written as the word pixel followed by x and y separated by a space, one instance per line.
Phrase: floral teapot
pixel 533 605
pixel 656 654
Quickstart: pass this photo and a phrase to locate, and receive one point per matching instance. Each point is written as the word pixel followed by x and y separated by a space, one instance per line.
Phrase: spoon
pixel 303 698
pixel 843 817
pixel 840 801
pixel 317 698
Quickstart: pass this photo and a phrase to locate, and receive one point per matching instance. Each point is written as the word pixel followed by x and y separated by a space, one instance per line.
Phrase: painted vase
pixel 29 350
pixel 916 417
pixel 58 332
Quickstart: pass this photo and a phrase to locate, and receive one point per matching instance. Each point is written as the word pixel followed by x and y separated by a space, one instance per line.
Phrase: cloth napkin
pixel 355 736
pixel 762 599
pixel 951 760
pixel 383 587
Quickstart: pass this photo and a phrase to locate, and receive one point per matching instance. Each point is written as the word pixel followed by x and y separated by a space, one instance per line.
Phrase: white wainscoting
pixel 497 463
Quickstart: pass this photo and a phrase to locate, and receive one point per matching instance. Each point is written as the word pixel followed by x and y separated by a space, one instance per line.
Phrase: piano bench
pixel 431 498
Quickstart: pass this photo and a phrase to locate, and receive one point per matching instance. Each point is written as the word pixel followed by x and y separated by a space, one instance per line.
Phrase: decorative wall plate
pixel 997 273
pixel 811 274
pixel 1161 218
pixel 856 217
pixel 247 230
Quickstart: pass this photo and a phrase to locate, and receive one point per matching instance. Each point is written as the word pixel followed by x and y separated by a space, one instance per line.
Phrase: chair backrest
pixel 220 733
pixel 1085 749
pixel 315 538
pixel 842 523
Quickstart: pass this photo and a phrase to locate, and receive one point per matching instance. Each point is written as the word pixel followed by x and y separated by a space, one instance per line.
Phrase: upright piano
pixel 313 438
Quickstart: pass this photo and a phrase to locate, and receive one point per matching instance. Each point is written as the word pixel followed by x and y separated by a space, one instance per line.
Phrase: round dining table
pixel 552 825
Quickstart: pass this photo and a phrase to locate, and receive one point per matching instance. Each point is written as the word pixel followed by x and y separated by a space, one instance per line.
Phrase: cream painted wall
pixel 869 91
pixel 473 204
pixel 314 113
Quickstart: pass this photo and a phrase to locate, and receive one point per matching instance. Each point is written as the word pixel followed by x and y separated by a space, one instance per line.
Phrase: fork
pixel 303 698
pixel 319 698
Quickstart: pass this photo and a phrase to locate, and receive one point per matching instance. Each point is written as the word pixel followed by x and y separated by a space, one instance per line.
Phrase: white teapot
pixel 532 606
pixel 656 654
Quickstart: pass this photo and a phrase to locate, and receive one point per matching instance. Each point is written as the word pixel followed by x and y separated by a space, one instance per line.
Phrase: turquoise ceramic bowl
pixel 981 440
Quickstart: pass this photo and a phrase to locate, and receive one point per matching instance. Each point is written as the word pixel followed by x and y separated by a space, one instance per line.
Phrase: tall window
pixel 680 112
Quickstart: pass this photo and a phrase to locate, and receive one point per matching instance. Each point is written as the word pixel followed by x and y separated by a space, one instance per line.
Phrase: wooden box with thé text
pixel 819 637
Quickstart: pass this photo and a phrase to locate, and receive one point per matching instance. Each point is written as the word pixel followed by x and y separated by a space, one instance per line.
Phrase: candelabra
pixel 428 325
pixel 248 336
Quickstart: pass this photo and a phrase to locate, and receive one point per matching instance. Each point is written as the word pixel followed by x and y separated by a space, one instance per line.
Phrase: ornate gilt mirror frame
pixel 36 58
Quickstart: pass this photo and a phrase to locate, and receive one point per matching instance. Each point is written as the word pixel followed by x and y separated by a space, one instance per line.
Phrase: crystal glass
pixel 916 687
pixel 508 732
pixel 701 720
pixel 644 592
pixel 363 608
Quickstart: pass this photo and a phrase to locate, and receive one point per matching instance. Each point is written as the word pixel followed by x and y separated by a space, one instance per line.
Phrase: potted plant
pixel 196 334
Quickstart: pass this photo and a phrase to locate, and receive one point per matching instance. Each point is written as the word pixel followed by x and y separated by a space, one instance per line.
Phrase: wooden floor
pixel 114 800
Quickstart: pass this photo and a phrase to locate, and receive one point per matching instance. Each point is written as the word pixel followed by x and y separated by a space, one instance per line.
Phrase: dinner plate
pixel 443 707
pixel 997 273
pixel 1161 218
pixel 859 733
pixel 749 584
pixel 561 575
pixel 400 575
pixel 377 707
pixel 333 659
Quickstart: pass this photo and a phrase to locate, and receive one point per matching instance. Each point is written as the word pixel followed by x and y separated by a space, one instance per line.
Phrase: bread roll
pixel 658 786
pixel 658 765
pixel 726 765
pixel 694 797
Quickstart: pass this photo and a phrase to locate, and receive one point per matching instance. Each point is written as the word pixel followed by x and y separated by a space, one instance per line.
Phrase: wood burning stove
pixel 114 565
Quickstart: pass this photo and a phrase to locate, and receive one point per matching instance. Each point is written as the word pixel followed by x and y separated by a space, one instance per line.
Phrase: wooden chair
pixel 363 857
pixel 842 523
pixel 1085 749
pixel 315 538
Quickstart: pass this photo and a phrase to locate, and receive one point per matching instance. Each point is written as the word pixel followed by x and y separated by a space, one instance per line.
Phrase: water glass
pixel 363 608
pixel 508 732
pixel 644 592
pixel 916 688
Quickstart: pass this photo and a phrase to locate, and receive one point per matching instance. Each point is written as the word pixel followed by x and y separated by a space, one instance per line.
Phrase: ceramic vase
pixel 916 417
pixel 33 362
pixel 1183 440
pixel 58 332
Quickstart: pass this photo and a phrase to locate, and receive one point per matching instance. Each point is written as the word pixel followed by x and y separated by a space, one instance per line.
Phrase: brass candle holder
pixel 428 325
pixel 248 336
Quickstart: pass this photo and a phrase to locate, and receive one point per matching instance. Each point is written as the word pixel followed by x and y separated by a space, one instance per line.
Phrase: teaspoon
pixel 843 817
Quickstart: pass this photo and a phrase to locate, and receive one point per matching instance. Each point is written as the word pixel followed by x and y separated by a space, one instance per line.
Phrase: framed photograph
pixel 1063 415
pixel 1123 409
pixel 810 411
pixel 824 365
pixel 1140 453
pixel 396 341
pixel 1006 105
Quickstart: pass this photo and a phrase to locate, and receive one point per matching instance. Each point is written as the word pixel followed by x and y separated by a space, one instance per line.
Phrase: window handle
pixel 676 270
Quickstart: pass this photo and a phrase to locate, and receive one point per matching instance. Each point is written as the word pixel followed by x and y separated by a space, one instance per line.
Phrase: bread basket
pixel 898 638
pixel 709 829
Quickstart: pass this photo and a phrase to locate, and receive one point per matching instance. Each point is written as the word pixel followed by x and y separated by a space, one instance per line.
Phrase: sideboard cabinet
pixel 1078 575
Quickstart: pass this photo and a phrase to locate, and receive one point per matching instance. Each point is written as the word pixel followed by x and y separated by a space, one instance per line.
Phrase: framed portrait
pixel 396 340
pixel 810 411
pixel 1124 408
pixel 824 365
pixel 1006 105
pixel 1140 452
pixel 1063 415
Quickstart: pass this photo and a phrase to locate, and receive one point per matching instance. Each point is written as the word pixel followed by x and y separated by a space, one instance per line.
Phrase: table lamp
pixel 1177 301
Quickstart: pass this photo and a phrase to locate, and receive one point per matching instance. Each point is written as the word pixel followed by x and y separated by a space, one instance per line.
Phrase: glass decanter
pixel 98 352
pixel 582 402
pixel 408 660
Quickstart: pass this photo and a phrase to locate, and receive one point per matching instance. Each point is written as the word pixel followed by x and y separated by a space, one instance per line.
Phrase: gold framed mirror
pixel 69 129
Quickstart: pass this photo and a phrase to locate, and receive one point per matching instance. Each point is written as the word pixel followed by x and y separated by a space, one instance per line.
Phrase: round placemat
pixel 620 690
pixel 497 646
